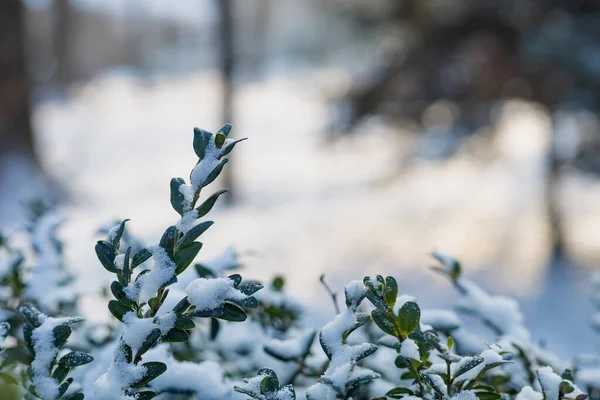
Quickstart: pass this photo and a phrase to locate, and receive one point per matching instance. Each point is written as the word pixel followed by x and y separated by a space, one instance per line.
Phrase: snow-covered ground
pixel 309 207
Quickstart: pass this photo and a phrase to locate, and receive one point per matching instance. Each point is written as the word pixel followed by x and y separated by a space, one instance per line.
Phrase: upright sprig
pixel 45 338
pixel 140 295
pixel 343 377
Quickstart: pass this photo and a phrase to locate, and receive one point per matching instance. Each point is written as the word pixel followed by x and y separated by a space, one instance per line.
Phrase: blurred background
pixel 379 130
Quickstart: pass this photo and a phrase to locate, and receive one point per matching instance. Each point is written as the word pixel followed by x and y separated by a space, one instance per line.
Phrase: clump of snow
pixel 500 312
pixel 409 349
pixel 206 379
pixel 112 233
pixel 210 294
pixel 550 382
pixel 292 348
pixel 49 282
pixel 444 320
pixel 119 261
pixel 489 357
pixel 355 290
pixel 137 329
pixel 148 284
pixel 527 393
pixel 589 377
pixel 464 395
pixel 187 221
pixel 120 376
pixel 188 195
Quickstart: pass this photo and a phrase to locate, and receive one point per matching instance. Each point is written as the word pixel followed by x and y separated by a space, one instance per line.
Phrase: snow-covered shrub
pixel 177 331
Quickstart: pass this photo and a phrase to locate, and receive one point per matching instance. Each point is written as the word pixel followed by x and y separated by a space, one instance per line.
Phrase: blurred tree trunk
pixel 16 136
pixel 553 212
pixel 63 19
pixel 226 54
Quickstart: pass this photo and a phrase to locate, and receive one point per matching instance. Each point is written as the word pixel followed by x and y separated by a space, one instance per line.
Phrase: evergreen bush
pixel 206 333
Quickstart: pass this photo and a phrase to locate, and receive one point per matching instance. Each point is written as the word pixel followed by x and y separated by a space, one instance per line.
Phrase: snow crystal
pixel 527 393
pixel 210 294
pixel 550 382
pixel 409 349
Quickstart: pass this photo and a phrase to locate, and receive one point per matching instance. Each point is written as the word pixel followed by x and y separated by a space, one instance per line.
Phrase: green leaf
pixel 182 306
pixel 384 322
pixel 117 290
pixel 178 200
pixel 118 309
pixel 409 316
pixel 167 241
pixel 214 173
pixel 219 140
pixel 106 254
pixel 61 334
pixel 152 338
pixel 487 396
pixel 193 234
pixel 62 389
pixel 232 313
pixel 214 328
pixel 27 332
pixel 126 270
pixel 153 370
pixel 435 383
pixel 8 379
pixel 116 240
pixel 139 257
pixel 78 396
pixel 32 314
pixel 208 204
pixel 465 366
pixel 249 287
pixel 75 359
pixel 396 393
pixel 184 256
pixel 270 383
pixel 391 291
pixel 184 323
pixel 449 342
pixel 201 139
pixel 228 147
pixel 176 335
pixel 60 373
